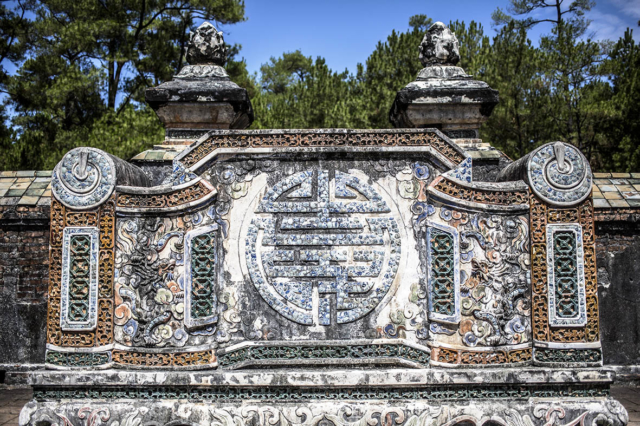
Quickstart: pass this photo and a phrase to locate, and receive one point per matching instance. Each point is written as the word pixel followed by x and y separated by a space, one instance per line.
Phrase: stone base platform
pixel 524 396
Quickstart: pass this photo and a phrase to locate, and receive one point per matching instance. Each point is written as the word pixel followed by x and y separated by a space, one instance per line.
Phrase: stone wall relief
pixel 244 183
pixel 151 302
pixel 374 413
pixel 492 294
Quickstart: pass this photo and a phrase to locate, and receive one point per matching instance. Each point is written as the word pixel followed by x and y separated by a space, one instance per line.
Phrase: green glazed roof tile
pixel 15 192
pixel 38 185
pixel 600 203
pixel 28 200
pixel 35 192
pixel 618 203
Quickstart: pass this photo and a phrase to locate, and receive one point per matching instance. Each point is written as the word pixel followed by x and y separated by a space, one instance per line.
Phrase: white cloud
pixel 629 7
pixel 606 26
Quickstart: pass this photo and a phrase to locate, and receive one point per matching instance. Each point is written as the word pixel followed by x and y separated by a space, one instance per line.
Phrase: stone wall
pixel 618 253
pixel 24 241
pixel 24 277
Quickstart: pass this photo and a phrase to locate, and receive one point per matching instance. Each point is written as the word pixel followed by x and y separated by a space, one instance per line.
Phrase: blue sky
pixel 345 32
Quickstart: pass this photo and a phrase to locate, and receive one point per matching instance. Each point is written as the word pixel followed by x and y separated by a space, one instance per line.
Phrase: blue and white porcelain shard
pixel 84 178
pixel 463 172
pixel 353 255
pixel 87 268
pixel 565 274
pixel 560 174
pixel 198 266
pixel 443 273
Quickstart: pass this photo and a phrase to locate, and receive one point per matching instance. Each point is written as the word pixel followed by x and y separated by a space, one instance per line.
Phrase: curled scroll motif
pixel 559 174
pixel 85 178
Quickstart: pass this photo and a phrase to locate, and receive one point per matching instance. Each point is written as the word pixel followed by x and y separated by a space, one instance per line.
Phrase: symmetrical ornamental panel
pixel 443 273
pixel 79 291
pixel 68 271
pixel 309 233
pixel 547 325
pixel 201 262
pixel 565 266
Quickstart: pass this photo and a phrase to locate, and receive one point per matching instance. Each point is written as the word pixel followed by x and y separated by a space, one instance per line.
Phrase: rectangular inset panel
pixel 565 271
pixel 201 275
pixel 443 273
pixel 79 292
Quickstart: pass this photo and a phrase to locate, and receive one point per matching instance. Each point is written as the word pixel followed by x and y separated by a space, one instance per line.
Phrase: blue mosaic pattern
pixel 443 274
pixel 79 275
pixel 566 274
pixel 562 187
pixel 565 270
pixel 83 187
pixel 349 250
pixel 201 277
pixel 79 287
pixel 463 171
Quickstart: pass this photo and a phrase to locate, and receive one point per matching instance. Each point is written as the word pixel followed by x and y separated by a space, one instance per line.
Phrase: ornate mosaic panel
pixel 201 275
pixel 565 269
pixel 542 217
pixel 443 271
pixel 489 312
pixel 101 223
pixel 330 234
pixel 79 292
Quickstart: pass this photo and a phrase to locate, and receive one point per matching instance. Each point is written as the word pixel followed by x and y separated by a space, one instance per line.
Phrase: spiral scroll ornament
pixel 560 174
pixel 84 178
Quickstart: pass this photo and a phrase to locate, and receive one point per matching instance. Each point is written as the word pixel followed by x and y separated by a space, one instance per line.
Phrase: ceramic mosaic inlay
pixel 84 178
pixel 201 262
pixel 443 273
pixel 560 174
pixel 326 277
pixel 330 234
pixel 565 266
pixel 79 278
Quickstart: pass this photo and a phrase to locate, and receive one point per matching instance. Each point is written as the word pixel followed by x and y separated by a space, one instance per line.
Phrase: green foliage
pixel 520 121
pixel 313 97
pixel 291 68
pixel 82 68
pixel 568 98
pixel 87 65
pixel 623 125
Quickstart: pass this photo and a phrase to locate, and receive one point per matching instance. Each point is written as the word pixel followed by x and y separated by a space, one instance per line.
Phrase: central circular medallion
pixel 322 249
